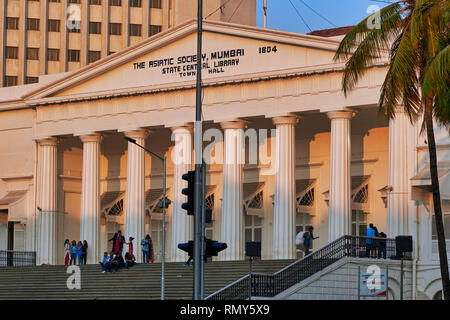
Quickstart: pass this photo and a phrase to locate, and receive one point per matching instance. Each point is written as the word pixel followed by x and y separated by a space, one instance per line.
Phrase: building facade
pixel 39 37
pixel 285 149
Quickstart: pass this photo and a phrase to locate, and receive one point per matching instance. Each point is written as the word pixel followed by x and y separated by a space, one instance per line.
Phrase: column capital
pixel 138 133
pixel 94 137
pixel 236 124
pixel 292 119
pixel 52 141
pixel 188 128
pixel 341 114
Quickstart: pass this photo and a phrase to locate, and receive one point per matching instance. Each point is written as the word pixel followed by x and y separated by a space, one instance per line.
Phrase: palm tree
pixel 414 34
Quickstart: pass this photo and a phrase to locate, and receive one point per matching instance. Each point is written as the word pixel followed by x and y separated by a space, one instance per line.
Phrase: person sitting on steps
pixel 106 263
pixel 117 262
pixel 130 260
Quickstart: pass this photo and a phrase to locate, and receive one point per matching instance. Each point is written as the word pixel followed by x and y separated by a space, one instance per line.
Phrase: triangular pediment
pixel 169 60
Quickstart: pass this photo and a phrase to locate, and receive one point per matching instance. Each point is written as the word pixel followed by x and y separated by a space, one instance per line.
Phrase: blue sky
pixel 282 16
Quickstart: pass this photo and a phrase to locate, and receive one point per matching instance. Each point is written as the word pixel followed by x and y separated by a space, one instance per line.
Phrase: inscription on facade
pixel 186 66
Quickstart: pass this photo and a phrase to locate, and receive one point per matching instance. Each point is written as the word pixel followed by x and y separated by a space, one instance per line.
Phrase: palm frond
pixel 401 85
pixel 371 44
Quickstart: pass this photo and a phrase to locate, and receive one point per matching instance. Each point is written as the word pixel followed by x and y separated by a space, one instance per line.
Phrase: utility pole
pixel 198 241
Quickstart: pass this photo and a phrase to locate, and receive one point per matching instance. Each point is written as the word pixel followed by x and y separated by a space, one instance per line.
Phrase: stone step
pixel 141 281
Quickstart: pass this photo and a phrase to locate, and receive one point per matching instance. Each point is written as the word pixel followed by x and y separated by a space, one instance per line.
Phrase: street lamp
pixel 165 204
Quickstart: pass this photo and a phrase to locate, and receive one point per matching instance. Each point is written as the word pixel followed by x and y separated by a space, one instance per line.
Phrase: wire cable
pixel 298 13
pixel 318 13
pixel 235 10
pixel 219 8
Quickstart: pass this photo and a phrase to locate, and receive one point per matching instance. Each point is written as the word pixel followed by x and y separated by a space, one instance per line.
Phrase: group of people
pixel 115 259
pixel 375 248
pixel 74 251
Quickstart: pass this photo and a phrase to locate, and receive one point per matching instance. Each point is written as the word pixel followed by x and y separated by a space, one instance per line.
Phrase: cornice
pixel 188 85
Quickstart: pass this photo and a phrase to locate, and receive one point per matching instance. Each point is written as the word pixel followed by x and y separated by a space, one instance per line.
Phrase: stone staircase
pixel 139 282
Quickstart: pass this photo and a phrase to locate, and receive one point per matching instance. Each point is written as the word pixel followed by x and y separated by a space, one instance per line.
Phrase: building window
pixel 54 25
pixel 253 199
pixel 29 80
pixel 362 195
pixel 360 205
pixel 75 1
pixel 116 209
pixel 153 29
pixel 11 52
pixel 135 30
pixel 115 3
pixel 446 221
pixel 253 228
pixel 136 3
pixel 54 0
pixel 115 29
pixel 95 27
pixel 156 234
pixel 95 2
pixel 32 53
pixel 33 24
pixel 209 203
pixel 73 55
pixel 12 23
pixel 94 56
pixel 307 199
pixel 10 81
pixel 53 54
pixel 359 223
pixel 302 222
pixel 155 4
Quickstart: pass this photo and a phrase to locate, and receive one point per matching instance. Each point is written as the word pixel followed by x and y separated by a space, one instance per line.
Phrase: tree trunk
pixel 437 198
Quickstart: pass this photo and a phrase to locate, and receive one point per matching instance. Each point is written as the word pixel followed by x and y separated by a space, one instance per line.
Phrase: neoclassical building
pixel 285 149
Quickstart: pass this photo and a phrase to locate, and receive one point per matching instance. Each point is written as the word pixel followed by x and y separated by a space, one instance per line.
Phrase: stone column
pixel 47 216
pixel 182 224
pixel 232 194
pixel 284 201
pixel 340 204
pixel 90 196
pixel 397 198
pixel 135 201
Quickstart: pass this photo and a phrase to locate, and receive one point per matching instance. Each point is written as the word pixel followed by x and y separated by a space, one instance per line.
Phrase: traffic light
pixel 212 248
pixel 189 192
pixel 187 247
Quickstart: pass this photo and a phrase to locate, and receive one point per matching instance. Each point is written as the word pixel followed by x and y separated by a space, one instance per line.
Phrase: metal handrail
pixel 228 286
pixel 12 258
pixel 269 285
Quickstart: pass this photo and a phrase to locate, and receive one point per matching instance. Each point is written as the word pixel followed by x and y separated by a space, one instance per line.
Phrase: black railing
pixel 269 285
pixel 9 258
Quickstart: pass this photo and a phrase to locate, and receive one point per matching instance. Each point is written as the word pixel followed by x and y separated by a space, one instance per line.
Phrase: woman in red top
pixel 130 245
